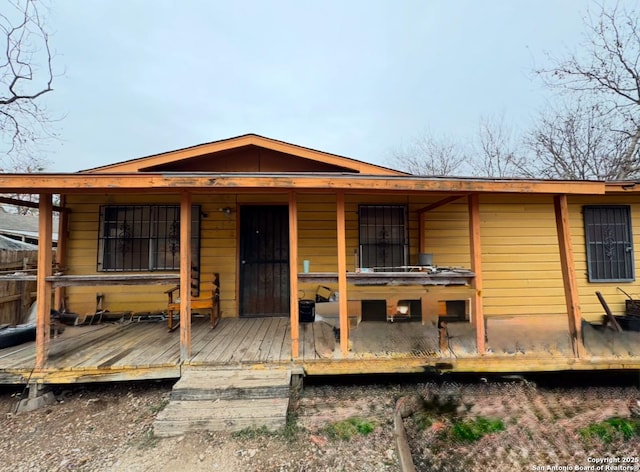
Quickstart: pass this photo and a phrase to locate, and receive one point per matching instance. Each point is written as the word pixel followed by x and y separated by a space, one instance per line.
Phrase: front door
pixel 264 260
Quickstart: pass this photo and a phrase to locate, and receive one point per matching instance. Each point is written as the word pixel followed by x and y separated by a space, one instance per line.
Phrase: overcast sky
pixel 355 78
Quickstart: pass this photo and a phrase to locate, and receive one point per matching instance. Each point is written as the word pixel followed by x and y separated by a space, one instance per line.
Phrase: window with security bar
pixel 384 241
pixel 609 243
pixel 144 237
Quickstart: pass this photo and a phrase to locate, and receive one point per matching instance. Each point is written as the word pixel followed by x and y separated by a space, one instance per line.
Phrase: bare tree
pixel 576 142
pixel 497 154
pixel 428 155
pixel 606 69
pixel 25 76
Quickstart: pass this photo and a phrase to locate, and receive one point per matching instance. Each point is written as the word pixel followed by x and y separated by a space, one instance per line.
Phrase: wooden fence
pixel 16 296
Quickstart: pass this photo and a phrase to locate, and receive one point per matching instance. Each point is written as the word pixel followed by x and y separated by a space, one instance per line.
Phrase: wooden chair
pixel 209 300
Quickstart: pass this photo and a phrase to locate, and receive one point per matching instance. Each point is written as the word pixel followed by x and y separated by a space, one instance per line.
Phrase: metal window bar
pixel 144 237
pixel 609 243
pixel 383 236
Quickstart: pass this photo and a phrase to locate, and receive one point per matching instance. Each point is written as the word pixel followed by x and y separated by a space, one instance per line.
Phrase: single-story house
pixel 403 272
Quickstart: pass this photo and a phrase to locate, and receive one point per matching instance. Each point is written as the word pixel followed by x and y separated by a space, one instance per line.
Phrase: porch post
pixel 342 275
pixel 43 289
pixel 421 230
pixel 61 251
pixel 185 276
pixel 476 266
pixel 569 274
pixel 293 274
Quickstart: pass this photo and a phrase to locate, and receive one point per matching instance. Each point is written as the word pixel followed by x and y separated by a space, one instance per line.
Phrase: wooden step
pixel 226 400
pixel 232 384
pixel 221 415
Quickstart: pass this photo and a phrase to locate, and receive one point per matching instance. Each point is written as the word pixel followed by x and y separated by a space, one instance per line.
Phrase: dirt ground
pixel 109 428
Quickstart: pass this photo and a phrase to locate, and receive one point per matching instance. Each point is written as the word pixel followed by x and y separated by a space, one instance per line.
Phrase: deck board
pixel 209 341
pixel 268 340
pixel 135 350
pixel 324 340
pixel 248 342
pixel 307 348
pixel 222 352
pixel 379 339
pixel 281 347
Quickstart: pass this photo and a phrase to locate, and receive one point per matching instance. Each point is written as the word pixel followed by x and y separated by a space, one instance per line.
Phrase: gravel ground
pixel 109 428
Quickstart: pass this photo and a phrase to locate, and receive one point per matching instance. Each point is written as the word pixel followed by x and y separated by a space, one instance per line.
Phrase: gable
pixel 247 159
pixel 246 154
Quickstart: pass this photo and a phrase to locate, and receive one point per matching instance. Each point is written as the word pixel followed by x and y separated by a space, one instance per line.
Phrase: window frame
pixel 405 234
pixel 150 231
pixel 596 268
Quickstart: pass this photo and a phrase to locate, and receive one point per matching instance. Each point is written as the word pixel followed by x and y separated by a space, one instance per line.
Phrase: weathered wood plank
pixel 269 339
pixel 324 340
pixel 280 349
pixel 251 353
pixel 232 384
pixel 224 350
pixel 307 348
pixel 229 419
pixel 210 340
pixel 145 347
pixel 246 343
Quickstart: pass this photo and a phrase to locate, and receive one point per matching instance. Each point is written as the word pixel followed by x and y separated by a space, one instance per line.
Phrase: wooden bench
pixel 208 300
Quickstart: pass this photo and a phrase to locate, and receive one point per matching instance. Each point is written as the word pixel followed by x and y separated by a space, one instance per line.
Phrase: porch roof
pixel 202 182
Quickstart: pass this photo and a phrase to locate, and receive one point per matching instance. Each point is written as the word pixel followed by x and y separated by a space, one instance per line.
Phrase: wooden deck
pixel 145 350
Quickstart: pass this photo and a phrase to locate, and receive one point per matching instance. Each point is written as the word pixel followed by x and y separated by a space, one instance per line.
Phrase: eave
pixel 628 187
pixel 201 182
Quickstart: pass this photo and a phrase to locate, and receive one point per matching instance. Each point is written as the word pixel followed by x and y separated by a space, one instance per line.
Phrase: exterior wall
pixel 520 256
pixel 447 234
pixel 591 308
pixel 218 251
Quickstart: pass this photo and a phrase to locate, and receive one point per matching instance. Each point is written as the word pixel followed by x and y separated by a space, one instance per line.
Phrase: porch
pixel 144 350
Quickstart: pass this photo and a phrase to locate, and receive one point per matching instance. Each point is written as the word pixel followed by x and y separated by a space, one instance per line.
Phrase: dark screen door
pixel 264 260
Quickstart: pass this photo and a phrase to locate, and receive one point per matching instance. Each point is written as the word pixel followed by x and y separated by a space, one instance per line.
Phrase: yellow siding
pixel 520 256
pixel 317 233
pixel 217 253
pixel 447 235
pixel 591 308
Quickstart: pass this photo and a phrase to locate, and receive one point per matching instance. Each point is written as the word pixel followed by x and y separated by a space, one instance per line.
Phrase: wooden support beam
pixel 342 274
pixel 570 283
pixel 61 253
pixel 43 289
pixel 439 203
pixel 422 227
pixel 29 204
pixel 293 275
pixel 185 276
pixel 476 266
pixel 146 181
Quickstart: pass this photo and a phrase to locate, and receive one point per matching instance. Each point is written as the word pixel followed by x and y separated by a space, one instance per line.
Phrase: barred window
pixel 384 240
pixel 144 237
pixel 609 243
